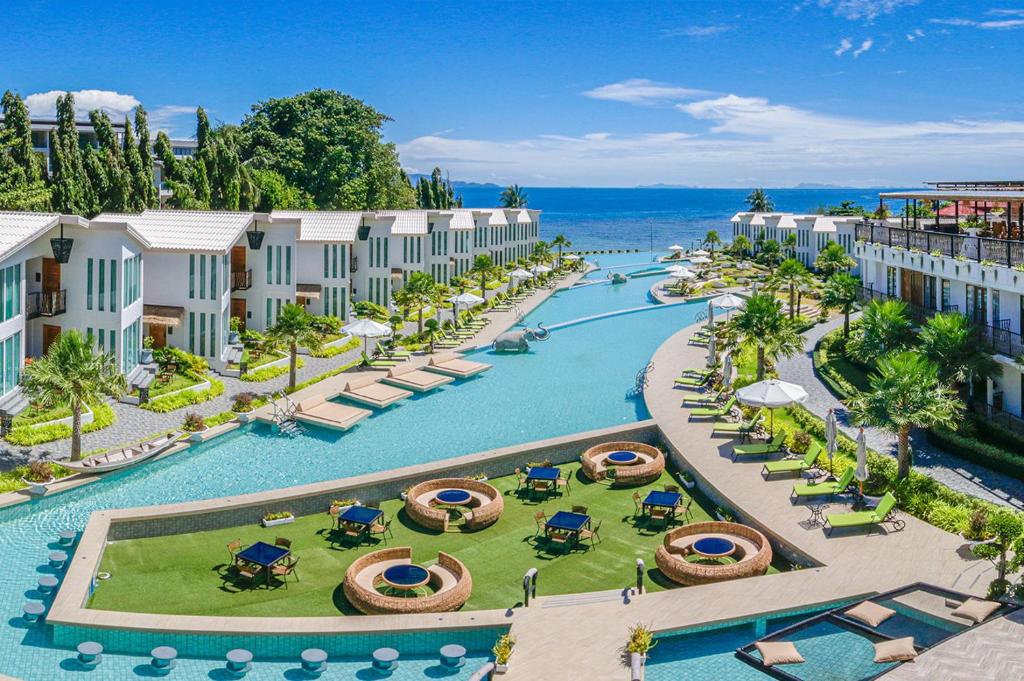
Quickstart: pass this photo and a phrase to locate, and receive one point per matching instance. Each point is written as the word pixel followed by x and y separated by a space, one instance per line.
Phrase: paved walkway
pixel 947 468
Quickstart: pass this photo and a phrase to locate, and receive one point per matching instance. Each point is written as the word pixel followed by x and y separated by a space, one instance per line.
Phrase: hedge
pixel 267 373
pixel 27 436
pixel 317 379
pixel 333 350
pixel 968 447
pixel 162 405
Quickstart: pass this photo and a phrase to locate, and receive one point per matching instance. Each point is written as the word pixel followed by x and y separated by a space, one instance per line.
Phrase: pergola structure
pixel 978 198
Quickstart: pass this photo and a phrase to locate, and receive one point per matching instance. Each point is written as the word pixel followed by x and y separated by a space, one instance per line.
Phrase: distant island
pixel 457 184
pixel 661 185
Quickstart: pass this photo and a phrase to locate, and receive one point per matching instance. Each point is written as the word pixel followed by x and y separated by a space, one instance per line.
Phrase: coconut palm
pixel 560 242
pixel 950 341
pixel 741 245
pixel 461 283
pixel 711 239
pixel 771 254
pixel 840 293
pixel 439 295
pixel 71 375
pixel 483 267
pixel 541 253
pixel 791 274
pixel 761 323
pixel 295 327
pixel 419 287
pixel 759 202
pixel 905 394
pixel 513 196
pixel 789 244
pixel 884 328
pixel 832 259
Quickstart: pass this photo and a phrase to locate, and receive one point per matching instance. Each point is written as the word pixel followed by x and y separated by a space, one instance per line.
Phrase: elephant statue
pixel 519 339
pixel 618 278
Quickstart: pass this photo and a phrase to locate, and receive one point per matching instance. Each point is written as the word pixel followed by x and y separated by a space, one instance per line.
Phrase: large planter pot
pixel 278 521
pixel 38 489
pixel 244 416
pixel 500 668
pixel 233 338
pixel 636 666
pixel 146 356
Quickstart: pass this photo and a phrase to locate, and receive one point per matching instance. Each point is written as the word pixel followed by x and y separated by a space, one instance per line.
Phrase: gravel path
pixel 947 468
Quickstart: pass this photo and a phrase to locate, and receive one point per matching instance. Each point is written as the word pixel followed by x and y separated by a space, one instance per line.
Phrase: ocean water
pixel 598 219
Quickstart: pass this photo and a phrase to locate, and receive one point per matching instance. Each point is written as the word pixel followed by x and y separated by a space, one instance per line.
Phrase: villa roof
pixel 518 214
pixel 739 216
pixel 462 219
pixel 956 195
pixel 406 222
pixel 18 229
pixel 323 225
pixel 183 230
pixel 495 216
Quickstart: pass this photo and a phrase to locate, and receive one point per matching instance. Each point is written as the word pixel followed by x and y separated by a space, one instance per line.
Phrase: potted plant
pixel 343 504
pixel 234 327
pixel 242 405
pixel 724 514
pixel 641 640
pixel 275 518
pixel 977 530
pixel 146 356
pixel 689 482
pixel 195 424
pixel 404 494
pixel 38 476
pixel 502 652
pixel 482 477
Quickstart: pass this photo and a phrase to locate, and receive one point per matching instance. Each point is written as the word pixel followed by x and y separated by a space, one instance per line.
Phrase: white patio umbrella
pixel 680 272
pixel 727 302
pixel 541 269
pixel 520 273
pixel 700 252
pixel 771 393
pixel 700 260
pixel 861 471
pixel 831 431
pixel 366 329
pixel 676 248
pixel 467 299
pixel 727 371
pixel 712 354
pixel 571 256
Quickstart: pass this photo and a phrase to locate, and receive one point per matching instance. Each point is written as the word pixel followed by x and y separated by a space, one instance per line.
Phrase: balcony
pixel 241 281
pixel 1000 251
pixel 40 304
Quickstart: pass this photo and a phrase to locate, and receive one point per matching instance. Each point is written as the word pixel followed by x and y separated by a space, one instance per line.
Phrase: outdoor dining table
pixel 659 499
pixel 264 555
pixel 359 518
pixel 567 522
pixel 543 477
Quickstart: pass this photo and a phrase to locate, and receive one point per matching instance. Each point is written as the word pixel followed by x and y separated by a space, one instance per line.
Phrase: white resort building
pixel 813 232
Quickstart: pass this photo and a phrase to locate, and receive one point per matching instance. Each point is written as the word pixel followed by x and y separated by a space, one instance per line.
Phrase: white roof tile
pixel 406 222
pixel 183 230
pixel 323 225
pixel 18 229
pixel 495 216
pixel 462 219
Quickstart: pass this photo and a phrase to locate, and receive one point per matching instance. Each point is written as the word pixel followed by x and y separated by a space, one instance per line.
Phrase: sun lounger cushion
pixel 976 609
pixel 871 614
pixel 778 652
pixel 354 384
pixel 896 650
pixel 311 403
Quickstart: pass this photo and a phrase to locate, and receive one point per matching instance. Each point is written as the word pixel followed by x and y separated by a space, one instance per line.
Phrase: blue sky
pixel 862 92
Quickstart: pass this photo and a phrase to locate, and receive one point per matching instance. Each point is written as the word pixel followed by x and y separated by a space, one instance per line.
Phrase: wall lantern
pixel 62 247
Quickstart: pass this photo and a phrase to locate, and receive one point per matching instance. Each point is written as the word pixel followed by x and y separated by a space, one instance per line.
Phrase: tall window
pixel 10 282
pixel 270 264
pixel 213 277
pixel 88 284
pixel 103 282
pixel 191 276
pixel 113 286
pixel 288 265
pixel 202 278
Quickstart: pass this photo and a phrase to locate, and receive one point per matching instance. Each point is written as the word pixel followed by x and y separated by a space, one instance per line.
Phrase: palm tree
pixel 884 328
pixel 906 393
pixel 439 295
pixel 72 375
pixel 711 239
pixel 762 324
pixel 419 287
pixel 759 202
pixel 741 245
pixel 541 253
pixel 295 327
pixel 771 254
pixel 832 259
pixel 483 266
pixel 789 244
pixel 461 283
pixel 561 241
pixel 841 294
pixel 950 341
pixel 513 196
pixel 791 274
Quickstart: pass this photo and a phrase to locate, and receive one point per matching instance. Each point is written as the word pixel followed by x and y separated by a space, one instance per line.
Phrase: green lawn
pixel 182 574
pixel 178 382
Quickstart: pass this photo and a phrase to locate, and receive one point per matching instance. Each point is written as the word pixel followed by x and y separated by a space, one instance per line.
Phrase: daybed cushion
pixel 976 609
pixel 778 652
pixel 871 614
pixel 354 384
pixel 311 402
pixel 896 650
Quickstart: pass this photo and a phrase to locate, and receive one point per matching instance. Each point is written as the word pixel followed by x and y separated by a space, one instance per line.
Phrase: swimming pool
pixel 523 398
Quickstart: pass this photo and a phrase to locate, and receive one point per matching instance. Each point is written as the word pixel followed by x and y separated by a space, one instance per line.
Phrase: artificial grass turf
pixel 182 574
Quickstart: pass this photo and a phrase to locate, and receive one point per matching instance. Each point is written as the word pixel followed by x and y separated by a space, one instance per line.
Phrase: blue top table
pixel 406 577
pixel 567 521
pixel 622 457
pixel 714 547
pixel 663 499
pixel 454 497
pixel 262 554
pixel 360 515
pixel 545 473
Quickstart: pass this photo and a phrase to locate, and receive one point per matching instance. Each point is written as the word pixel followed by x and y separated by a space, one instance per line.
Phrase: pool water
pixel 834 653
pixel 577 380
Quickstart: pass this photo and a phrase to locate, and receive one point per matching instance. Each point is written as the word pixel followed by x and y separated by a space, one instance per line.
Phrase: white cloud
pixel 174 119
pixel 1009 19
pixel 914 35
pixel 642 91
pixel 697 31
pixel 866 10
pixel 864 47
pixel 44 104
pixel 844 46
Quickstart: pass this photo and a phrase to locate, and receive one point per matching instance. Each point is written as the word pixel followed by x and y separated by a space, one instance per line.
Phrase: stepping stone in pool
pixel 90 654
pixel 164 660
pixel 239 662
pixel 314 662
pixel 385 659
pixel 453 656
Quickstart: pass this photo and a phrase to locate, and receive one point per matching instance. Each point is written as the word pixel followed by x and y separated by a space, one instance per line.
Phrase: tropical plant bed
pixel 843 376
pixel 326 351
pixel 268 372
pixel 103 416
pixel 184 398
pixel 35 415
pixel 178 381
pixel 14 479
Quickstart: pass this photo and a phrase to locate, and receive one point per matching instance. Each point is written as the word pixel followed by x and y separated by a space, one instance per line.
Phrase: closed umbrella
pixel 712 355
pixel 366 329
pixel 711 315
pixel 861 471
pixel 771 393
pixel 831 428
pixel 727 372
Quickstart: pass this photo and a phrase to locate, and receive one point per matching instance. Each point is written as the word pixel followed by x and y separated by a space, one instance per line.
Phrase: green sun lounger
pixel 378 363
pixel 699 341
pixel 392 354
pixel 822 489
pixel 693 381
pixel 714 411
pixel 764 449
pixel 883 513
pixel 741 428
pixel 793 465
pixel 704 400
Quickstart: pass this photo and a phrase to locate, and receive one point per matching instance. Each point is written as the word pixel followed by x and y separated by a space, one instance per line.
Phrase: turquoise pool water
pixel 577 380
pixel 834 653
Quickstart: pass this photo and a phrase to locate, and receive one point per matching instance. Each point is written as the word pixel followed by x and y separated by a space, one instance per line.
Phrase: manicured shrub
pixel 193 422
pixel 167 403
pixel 267 373
pixel 103 416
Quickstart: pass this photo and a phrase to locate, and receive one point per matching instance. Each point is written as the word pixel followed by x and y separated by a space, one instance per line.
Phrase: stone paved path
pixel 947 468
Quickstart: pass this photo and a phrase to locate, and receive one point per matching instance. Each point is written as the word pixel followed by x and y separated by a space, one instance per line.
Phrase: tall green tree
pixel 770 254
pixel 141 182
pixel 561 241
pixel 483 267
pixel 114 178
pixel 789 245
pixel 950 341
pixel 145 157
pixel 761 324
pixel 741 245
pixel 419 287
pixel 71 191
pixel 275 192
pixel 295 327
pixel 21 169
pixel 905 394
pixel 840 293
pixel 71 375
pixel 832 259
pixel 759 202
pixel 203 130
pixel 792 275
pixel 884 328
pixel 436 192
pixel 513 196
pixel 711 239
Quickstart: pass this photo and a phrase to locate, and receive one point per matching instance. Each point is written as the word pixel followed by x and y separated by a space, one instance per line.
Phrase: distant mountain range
pixel 457 184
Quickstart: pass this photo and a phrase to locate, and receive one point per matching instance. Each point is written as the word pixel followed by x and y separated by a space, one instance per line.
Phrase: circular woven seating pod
pixel 449 578
pixel 648 468
pixel 753 553
pixel 485 506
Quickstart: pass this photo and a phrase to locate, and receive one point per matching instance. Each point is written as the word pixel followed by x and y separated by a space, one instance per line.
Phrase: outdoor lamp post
pixel 639 575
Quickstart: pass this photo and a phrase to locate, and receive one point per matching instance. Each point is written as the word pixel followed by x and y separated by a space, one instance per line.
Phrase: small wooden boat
pixel 116 459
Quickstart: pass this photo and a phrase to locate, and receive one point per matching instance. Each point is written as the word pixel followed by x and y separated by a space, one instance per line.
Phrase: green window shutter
pixel 113 286
pixel 88 284
pixel 288 265
pixel 191 276
pixel 213 277
pixel 326 248
pixel 270 264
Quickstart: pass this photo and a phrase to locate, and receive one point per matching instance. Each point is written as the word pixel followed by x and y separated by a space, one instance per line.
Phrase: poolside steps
pixel 569 600
pixel 290 427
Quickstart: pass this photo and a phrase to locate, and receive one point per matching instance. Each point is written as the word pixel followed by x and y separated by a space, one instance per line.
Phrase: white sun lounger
pixel 367 390
pixel 319 412
pixel 412 378
pixel 451 364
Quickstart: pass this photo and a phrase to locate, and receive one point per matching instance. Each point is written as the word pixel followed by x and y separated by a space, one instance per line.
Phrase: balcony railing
pixel 50 304
pixel 1001 251
pixel 241 281
pixel 918 313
